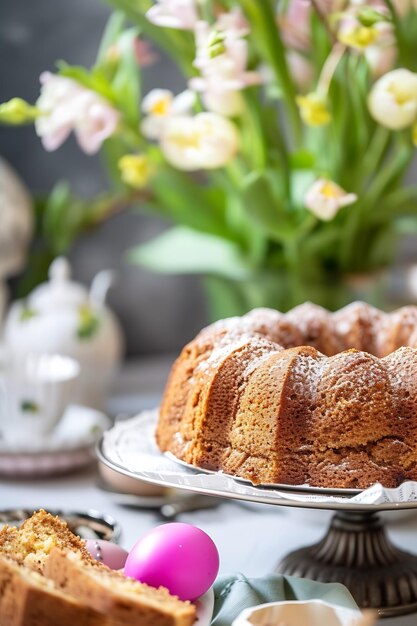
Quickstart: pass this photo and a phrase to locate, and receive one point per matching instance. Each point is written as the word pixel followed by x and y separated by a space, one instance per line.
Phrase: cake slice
pixel 31 543
pixel 44 549
pixel 126 601
pixel 29 599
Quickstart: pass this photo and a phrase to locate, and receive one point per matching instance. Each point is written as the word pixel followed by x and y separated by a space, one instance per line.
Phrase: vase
pixel 278 290
pixel 16 218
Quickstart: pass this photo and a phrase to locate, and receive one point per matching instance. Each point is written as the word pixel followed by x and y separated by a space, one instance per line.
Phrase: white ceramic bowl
pixel 307 613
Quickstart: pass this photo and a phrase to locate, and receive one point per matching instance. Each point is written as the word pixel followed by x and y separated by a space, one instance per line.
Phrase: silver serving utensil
pixel 197 502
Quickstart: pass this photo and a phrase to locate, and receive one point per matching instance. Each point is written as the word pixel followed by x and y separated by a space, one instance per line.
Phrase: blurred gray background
pixel 158 313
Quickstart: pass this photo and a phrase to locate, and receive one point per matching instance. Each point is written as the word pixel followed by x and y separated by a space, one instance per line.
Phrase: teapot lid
pixel 59 291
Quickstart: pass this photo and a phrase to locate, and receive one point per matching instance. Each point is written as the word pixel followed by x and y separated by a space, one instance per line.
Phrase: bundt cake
pixel 307 397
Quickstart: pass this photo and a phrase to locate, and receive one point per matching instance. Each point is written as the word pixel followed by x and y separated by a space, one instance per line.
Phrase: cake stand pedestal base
pixel 357 553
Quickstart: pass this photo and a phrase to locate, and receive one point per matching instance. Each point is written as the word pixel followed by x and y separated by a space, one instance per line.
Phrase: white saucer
pixel 69 446
pixel 205 606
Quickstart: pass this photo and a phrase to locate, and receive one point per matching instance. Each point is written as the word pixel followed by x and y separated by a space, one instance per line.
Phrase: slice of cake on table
pixel 29 599
pixel 43 562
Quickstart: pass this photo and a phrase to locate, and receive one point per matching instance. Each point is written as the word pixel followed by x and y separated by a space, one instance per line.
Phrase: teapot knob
pixel 60 270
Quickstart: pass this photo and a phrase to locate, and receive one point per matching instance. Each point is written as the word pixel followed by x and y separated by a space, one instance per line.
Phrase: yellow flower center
pixel 360 37
pixel 401 95
pixel 313 110
pixel 161 107
pixel 330 190
pixel 135 170
pixel 187 141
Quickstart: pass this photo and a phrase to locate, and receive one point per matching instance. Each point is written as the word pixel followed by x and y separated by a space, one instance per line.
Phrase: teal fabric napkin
pixel 236 592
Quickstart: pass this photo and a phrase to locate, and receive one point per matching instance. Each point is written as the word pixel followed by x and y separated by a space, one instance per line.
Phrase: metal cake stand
pixel 356 550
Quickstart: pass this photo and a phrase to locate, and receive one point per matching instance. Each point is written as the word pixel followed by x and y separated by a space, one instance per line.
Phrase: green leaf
pixel 27 313
pixel 186 202
pixel 55 215
pixel 406 225
pixel 181 250
pixel 29 406
pixel 303 159
pixel 88 323
pixel 322 239
pixel 264 209
pixel 126 81
pixel 380 246
pixel 301 180
pixel 63 219
pixel 112 151
pixel 178 44
pixel 112 32
pixel 93 79
pixel 267 38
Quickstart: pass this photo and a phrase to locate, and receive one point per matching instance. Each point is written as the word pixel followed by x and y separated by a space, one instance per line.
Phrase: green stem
pixel 178 44
pixel 395 167
pixel 347 246
pixel 291 255
pixel 399 203
pixel 267 37
pixel 258 150
pixel 402 45
pixel 375 153
pixel 206 10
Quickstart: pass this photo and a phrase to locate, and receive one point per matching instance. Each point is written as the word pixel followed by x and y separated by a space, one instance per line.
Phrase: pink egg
pixel 180 557
pixel 107 552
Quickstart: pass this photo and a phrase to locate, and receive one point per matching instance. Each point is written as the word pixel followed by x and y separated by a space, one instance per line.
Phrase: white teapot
pixel 62 317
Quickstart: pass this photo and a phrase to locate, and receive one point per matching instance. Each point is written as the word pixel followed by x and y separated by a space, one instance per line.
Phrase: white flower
pixel 227 67
pixel 160 105
pixel 206 141
pixel 174 14
pixel 67 106
pixel 381 58
pixel 233 22
pixel 393 99
pixel 222 57
pixel 325 198
pixel 228 103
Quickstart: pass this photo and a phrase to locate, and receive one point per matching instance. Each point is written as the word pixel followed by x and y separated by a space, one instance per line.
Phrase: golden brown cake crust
pixel 36 537
pixel 309 397
pixel 125 601
pixel 28 599
pixel 46 570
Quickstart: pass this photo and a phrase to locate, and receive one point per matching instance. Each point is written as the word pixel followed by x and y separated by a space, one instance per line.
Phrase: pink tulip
pixel 67 106
pixel 325 199
pixel 225 73
pixel 300 68
pixel 144 53
pixel 233 22
pixel 95 123
pixel 180 14
pixel 295 24
pixel 142 50
pixel 381 59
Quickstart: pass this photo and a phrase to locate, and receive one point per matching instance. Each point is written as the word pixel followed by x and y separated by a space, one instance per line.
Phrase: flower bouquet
pixel 280 162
